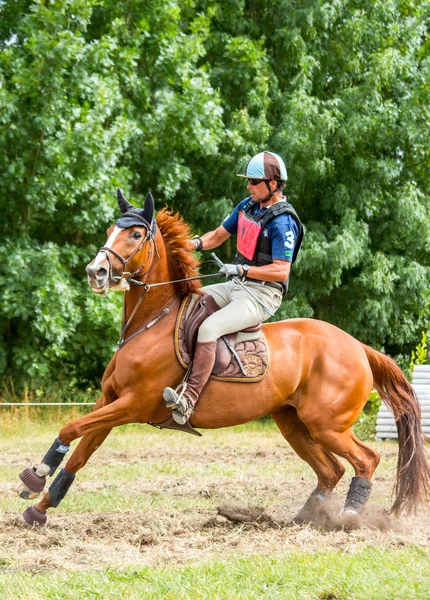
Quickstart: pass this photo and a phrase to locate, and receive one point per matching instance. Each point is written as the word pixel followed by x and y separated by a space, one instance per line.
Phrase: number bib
pixel 248 232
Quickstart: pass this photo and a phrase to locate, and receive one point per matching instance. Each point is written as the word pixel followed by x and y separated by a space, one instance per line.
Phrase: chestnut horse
pixel 319 380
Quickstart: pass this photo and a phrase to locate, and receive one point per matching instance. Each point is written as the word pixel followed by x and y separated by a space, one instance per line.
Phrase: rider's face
pixel 259 192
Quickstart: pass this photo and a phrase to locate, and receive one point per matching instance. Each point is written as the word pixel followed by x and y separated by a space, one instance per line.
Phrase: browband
pixel 138 217
pixel 151 227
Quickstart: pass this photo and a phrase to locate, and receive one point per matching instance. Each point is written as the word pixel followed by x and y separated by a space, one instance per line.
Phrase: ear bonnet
pixel 132 216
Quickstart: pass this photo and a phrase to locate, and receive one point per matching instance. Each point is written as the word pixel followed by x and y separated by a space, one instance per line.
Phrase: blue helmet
pixel 266 165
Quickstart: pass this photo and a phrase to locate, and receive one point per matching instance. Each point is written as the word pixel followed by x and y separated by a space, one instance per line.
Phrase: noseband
pixel 149 235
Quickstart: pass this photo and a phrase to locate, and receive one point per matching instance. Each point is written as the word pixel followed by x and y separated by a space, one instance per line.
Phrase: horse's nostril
pixel 101 274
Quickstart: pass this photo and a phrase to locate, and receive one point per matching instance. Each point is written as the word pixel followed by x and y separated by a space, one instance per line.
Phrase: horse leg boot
pixel 358 494
pixel 183 400
pixel 33 479
pixel 57 490
pixel 36 515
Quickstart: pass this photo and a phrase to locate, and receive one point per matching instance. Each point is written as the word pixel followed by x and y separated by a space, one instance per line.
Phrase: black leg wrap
pixel 59 487
pixel 358 494
pixel 317 495
pixel 55 455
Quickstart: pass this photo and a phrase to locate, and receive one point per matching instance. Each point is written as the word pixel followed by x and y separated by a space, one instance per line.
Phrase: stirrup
pixel 182 415
pixel 180 405
pixel 173 397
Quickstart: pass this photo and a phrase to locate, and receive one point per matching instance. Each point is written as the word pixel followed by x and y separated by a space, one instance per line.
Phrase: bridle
pixel 138 273
pixel 150 234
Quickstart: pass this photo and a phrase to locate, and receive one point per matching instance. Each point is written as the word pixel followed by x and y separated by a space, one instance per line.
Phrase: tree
pixel 348 106
pixel 175 96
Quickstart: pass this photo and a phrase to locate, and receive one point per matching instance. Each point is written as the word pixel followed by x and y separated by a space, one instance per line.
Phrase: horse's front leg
pixel 34 478
pixel 95 427
pixel 36 515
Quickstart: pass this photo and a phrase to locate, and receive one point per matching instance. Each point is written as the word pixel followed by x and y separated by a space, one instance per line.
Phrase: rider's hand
pixel 197 242
pixel 231 270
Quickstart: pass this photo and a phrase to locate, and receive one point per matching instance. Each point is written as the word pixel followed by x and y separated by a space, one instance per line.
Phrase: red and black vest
pixel 253 247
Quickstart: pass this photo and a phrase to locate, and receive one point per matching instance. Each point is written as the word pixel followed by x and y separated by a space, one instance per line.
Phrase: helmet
pixel 266 165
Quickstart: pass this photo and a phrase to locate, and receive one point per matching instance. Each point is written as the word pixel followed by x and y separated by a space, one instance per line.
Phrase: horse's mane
pixel 176 233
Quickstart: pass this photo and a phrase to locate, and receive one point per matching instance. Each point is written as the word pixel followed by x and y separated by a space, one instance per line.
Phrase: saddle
pixel 241 356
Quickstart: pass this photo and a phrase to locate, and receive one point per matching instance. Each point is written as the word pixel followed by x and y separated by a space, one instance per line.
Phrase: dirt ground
pixel 177 519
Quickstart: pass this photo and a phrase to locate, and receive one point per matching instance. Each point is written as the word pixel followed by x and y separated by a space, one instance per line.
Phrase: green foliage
pixel 365 426
pixel 175 96
pixel 419 355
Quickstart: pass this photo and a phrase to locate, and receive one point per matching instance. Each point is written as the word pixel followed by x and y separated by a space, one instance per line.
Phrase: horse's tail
pixel 412 485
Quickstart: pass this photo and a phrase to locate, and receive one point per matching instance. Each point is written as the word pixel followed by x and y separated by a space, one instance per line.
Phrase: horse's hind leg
pixel 326 466
pixel 61 484
pixel 363 459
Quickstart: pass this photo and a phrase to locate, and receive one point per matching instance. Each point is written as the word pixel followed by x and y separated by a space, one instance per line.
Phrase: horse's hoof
pixel 313 511
pixel 25 493
pixel 33 482
pixel 32 516
pixel 350 518
pixel 303 517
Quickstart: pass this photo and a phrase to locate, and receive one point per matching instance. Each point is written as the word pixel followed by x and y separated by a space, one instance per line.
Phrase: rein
pixel 147 286
pixel 165 311
pixel 151 285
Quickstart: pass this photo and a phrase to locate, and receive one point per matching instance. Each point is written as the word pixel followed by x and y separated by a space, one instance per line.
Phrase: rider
pixel 269 235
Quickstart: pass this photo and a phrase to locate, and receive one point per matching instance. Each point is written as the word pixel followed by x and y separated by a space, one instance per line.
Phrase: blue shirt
pixel 282 230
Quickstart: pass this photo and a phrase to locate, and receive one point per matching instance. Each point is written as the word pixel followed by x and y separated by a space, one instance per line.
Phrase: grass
pixel 135 523
pixel 368 575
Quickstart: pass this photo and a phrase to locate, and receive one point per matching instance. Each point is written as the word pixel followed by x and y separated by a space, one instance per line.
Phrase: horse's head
pixel 129 250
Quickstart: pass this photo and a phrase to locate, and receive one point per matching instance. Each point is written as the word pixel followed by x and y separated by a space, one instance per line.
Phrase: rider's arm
pixel 278 270
pixel 213 239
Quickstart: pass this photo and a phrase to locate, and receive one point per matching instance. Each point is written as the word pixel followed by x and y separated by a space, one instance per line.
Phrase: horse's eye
pixel 137 235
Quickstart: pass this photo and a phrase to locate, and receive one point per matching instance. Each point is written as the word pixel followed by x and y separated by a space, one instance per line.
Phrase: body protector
pixel 253 248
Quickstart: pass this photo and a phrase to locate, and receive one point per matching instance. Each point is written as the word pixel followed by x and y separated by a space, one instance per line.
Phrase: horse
pixel 318 383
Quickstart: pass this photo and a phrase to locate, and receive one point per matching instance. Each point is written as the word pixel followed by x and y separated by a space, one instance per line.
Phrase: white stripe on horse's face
pixel 101 256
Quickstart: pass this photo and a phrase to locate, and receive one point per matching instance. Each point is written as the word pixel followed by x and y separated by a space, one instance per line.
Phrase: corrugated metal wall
pixel 385 425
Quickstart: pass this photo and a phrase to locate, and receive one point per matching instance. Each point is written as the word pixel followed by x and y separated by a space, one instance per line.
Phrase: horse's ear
pixel 148 209
pixel 124 205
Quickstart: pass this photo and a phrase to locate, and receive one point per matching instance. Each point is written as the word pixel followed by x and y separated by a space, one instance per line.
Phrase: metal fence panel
pixel 385 423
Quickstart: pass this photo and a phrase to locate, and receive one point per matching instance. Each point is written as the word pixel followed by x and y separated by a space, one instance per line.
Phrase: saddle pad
pixel 252 349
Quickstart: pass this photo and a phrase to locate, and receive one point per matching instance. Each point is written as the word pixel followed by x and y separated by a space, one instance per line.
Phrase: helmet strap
pixel 271 192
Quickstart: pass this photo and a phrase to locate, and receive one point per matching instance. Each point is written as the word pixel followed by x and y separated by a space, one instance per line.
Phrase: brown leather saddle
pixel 241 356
